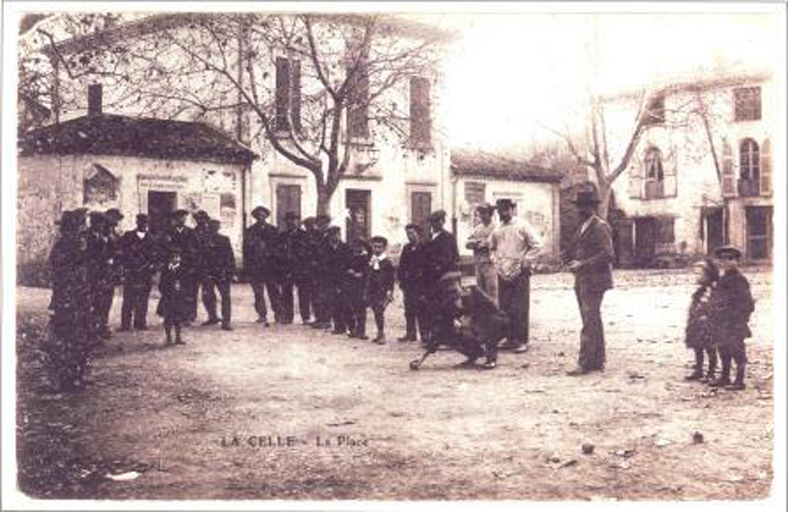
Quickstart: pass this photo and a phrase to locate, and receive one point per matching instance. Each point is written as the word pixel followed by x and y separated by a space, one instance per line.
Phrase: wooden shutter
pixel 282 93
pixel 295 89
pixel 670 169
pixel 358 122
pixel 766 168
pixel 728 177
pixel 420 110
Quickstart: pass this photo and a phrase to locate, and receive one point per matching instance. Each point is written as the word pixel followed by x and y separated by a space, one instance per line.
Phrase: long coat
pixel 219 259
pixel 699 331
pixel 70 290
pixel 594 250
pixel 440 256
pixel 260 244
pixel 184 240
pixel 138 258
pixel 410 272
pixel 731 307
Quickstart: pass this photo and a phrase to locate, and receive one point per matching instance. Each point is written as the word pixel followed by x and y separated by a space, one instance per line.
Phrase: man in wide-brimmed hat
pixel 260 242
pixel 440 256
pixel 514 245
pixel 138 258
pixel 592 266
pixel 292 252
pixel 479 242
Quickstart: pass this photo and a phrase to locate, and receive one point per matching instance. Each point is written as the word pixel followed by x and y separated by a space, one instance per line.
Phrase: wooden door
pixel 714 231
pixel 645 241
pixel 759 232
pixel 288 199
pixel 160 208
pixel 358 222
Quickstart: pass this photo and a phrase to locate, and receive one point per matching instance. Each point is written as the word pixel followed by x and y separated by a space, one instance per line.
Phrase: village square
pixel 313 256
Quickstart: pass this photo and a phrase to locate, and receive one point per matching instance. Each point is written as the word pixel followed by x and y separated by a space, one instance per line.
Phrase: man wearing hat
pixel 219 270
pixel 731 305
pixel 259 252
pixel 100 255
pixel 202 234
pixel 182 238
pixel 318 243
pixel 138 259
pixel 514 244
pixel 479 242
pixel 440 256
pixel 291 250
pixel 335 258
pixel 592 266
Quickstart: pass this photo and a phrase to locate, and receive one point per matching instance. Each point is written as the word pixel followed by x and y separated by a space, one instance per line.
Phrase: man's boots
pixel 738 384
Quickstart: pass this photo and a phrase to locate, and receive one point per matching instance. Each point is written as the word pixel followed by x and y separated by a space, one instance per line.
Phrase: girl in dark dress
pixel 699 333
pixel 174 304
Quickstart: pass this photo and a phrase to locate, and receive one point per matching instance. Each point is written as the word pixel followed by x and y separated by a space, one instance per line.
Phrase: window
pixel 99 185
pixel 474 192
pixel 420 123
pixel 655 114
pixel 288 94
pixel 749 160
pixel 747 103
pixel 358 109
pixel 655 174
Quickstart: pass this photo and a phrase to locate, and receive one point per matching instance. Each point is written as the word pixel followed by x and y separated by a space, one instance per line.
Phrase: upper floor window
pixel 654 169
pixel 420 122
pixel 358 108
pixel 288 94
pixel 749 160
pixel 655 113
pixel 747 103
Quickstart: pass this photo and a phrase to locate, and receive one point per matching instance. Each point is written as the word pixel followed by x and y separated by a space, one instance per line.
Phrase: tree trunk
pixel 604 198
pixel 323 199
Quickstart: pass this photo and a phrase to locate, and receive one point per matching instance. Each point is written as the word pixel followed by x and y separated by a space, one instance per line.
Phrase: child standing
pixel 355 281
pixel 732 305
pixel 174 304
pixel 699 334
pixel 380 285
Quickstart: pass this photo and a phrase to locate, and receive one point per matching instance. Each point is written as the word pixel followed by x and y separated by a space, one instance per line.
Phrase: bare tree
pixel 319 89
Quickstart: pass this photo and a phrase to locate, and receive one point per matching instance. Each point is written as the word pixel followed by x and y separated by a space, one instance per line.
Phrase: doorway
pixel 160 208
pixel 759 232
pixel 358 223
pixel 714 232
pixel 645 241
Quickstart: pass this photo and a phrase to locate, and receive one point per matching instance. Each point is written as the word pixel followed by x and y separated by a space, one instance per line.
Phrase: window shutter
pixel 728 178
pixel 670 168
pixel 635 180
pixel 420 110
pixel 295 89
pixel 282 92
pixel 766 168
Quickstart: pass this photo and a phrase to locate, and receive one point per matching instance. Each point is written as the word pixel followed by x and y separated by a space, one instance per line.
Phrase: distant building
pixel 102 161
pixel 701 175
pixel 480 177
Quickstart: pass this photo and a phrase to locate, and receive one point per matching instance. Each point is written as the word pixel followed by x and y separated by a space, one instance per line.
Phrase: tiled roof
pixel 107 134
pixel 480 164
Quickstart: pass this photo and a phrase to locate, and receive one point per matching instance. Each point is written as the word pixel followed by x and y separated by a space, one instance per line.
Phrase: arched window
pixel 749 160
pixel 653 161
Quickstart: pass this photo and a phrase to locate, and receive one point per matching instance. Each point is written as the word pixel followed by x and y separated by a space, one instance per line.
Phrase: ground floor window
pixel 759 232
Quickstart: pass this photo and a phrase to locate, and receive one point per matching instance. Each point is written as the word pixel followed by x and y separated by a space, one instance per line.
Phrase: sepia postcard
pixel 370 255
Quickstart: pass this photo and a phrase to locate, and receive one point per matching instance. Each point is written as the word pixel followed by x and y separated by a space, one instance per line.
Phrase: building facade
pixel 701 174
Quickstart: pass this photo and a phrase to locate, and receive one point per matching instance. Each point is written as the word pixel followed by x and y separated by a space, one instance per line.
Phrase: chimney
pixel 94 99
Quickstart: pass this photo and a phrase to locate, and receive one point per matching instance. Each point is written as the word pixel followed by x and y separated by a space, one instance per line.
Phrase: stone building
pixel 391 180
pixel 479 177
pixel 701 174
pixel 138 165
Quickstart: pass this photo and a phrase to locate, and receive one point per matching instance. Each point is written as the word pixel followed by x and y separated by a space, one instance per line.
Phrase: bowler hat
pixel 322 219
pixel 180 213
pixel 97 218
pixel 728 252
pixel 332 229
pixel 114 214
pixel 586 194
pixel 485 207
pixel 504 202
pixel 309 221
pixel 141 217
pixel 291 216
pixel 214 223
pixel 260 210
pixel 201 214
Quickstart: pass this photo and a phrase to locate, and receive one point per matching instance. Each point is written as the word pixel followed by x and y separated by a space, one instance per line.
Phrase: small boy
pixel 731 307
pixel 174 303
pixel 355 281
pixel 380 285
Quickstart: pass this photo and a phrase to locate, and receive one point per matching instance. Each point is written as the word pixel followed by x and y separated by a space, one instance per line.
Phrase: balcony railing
pixel 749 188
pixel 655 189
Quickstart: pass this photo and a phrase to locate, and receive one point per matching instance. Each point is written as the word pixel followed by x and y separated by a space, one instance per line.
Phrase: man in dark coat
pixel 592 266
pixel 318 261
pixel 71 312
pixel 138 260
pixel 731 305
pixel 291 251
pixel 440 256
pixel 259 252
pixel 410 275
pixel 202 233
pixel 219 272
pixel 182 238
pixel 100 255
pixel 336 258
pixel 113 217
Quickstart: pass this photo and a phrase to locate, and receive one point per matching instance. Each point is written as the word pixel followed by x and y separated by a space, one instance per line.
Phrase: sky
pixel 511 75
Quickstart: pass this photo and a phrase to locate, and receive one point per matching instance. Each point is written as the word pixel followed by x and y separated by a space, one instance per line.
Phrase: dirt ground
pixel 193 421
